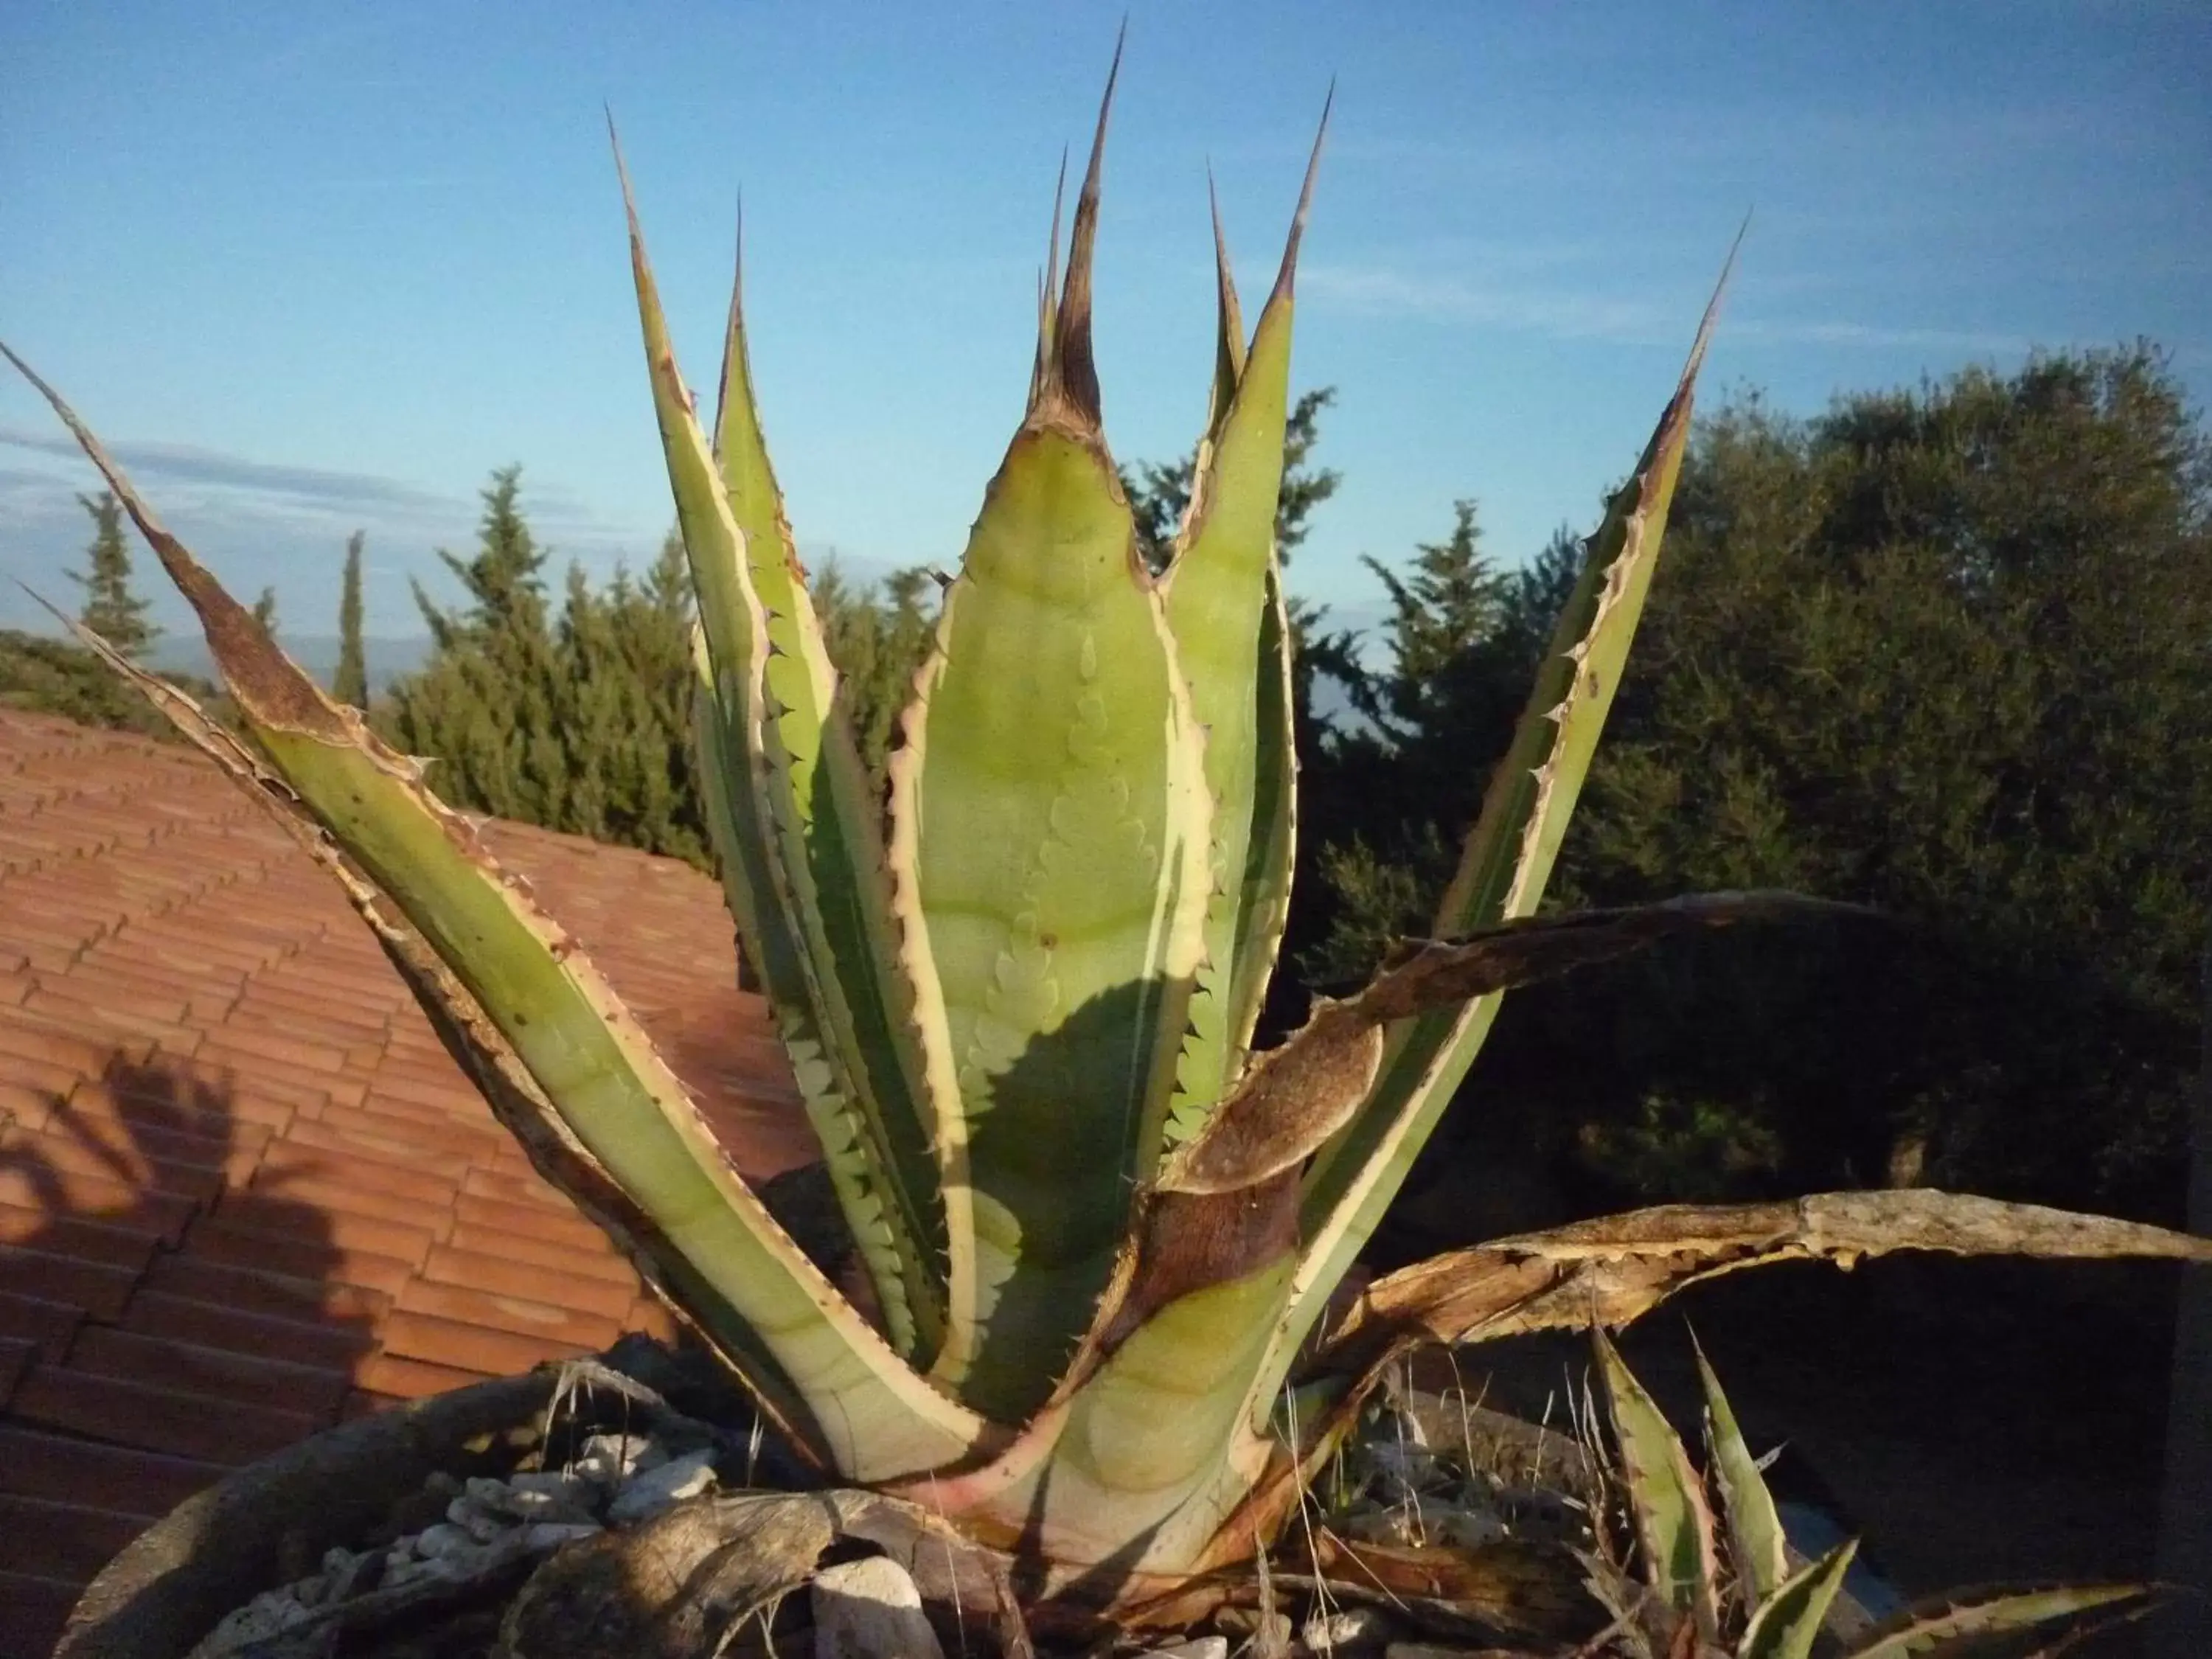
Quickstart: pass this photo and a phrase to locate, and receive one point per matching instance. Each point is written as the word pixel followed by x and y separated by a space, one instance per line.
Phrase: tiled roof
pixel 243 1191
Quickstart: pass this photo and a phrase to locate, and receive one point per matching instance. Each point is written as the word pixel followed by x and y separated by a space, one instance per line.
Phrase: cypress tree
pixel 1393 795
pixel 110 609
pixel 879 637
pixel 264 611
pixel 481 706
pixel 351 685
pixel 580 724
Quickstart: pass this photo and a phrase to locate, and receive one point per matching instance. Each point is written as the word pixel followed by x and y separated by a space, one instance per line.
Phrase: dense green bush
pixel 1948 651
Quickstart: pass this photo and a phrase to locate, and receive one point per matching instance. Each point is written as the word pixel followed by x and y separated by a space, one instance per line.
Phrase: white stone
pixel 476 1518
pixel 269 1614
pixel 609 1458
pixel 405 1569
pixel 870 1610
pixel 444 1539
pixel 1203 1647
pixel 647 1494
pixel 555 1481
pixel 1352 1628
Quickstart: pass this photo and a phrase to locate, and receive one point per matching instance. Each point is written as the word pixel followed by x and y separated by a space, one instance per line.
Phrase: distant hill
pixel 388 657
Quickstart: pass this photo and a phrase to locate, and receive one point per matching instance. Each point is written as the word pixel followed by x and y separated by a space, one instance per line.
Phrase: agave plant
pixel 1099 1230
pixel 1721 1579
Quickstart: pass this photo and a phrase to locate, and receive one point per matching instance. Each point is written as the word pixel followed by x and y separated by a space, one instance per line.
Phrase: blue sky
pixel 317 267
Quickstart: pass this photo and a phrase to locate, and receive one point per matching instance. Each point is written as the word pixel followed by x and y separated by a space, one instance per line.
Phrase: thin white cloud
pixel 324 489
pixel 267 523
pixel 1565 313
pixel 1378 291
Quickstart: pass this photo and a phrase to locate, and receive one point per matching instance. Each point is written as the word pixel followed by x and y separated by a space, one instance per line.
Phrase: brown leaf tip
pixel 1287 276
pixel 1712 313
pixel 1068 389
pixel 266 683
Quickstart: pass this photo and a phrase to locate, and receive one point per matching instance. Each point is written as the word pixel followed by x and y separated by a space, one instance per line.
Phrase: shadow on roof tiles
pixel 127 1339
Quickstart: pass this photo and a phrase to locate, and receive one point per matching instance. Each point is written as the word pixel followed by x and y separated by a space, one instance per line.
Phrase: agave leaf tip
pixel 1048 292
pixel 1712 314
pixel 266 683
pixel 1288 275
pixel 1068 388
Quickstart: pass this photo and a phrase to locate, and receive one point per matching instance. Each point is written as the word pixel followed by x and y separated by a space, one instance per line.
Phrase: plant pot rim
pixel 221 1548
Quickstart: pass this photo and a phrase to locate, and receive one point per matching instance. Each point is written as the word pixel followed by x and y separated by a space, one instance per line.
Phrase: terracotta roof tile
pixel 464 1346
pixel 322 1302
pixel 537 1221
pixel 49 1327
pixel 515 1316
pixel 143 1484
pixel 140 1168
pixel 116 1239
pixel 153 1419
pixel 244 1192
pixel 213 1325
pixel 54 1540
pixel 604 1287
pixel 18 1355
pixel 393 1377
pixel 593 1259
pixel 98 1288
pixel 214 1373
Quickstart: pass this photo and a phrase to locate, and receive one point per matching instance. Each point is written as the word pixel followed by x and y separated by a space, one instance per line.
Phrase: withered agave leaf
pixel 1956 1622
pixel 1617 1268
pixel 1294 1098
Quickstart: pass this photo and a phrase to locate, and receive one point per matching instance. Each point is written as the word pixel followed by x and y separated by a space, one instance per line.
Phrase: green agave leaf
pixel 1758 1549
pixel 1148 1448
pixel 1674 1521
pixel 818 839
pixel 1502 873
pixel 1229 330
pixel 1927 1631
pixel 1786 1624
pixel 1050 832
pixel 751 882
pixel 1272 852
pixel 1219 603
pixel 616 1097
